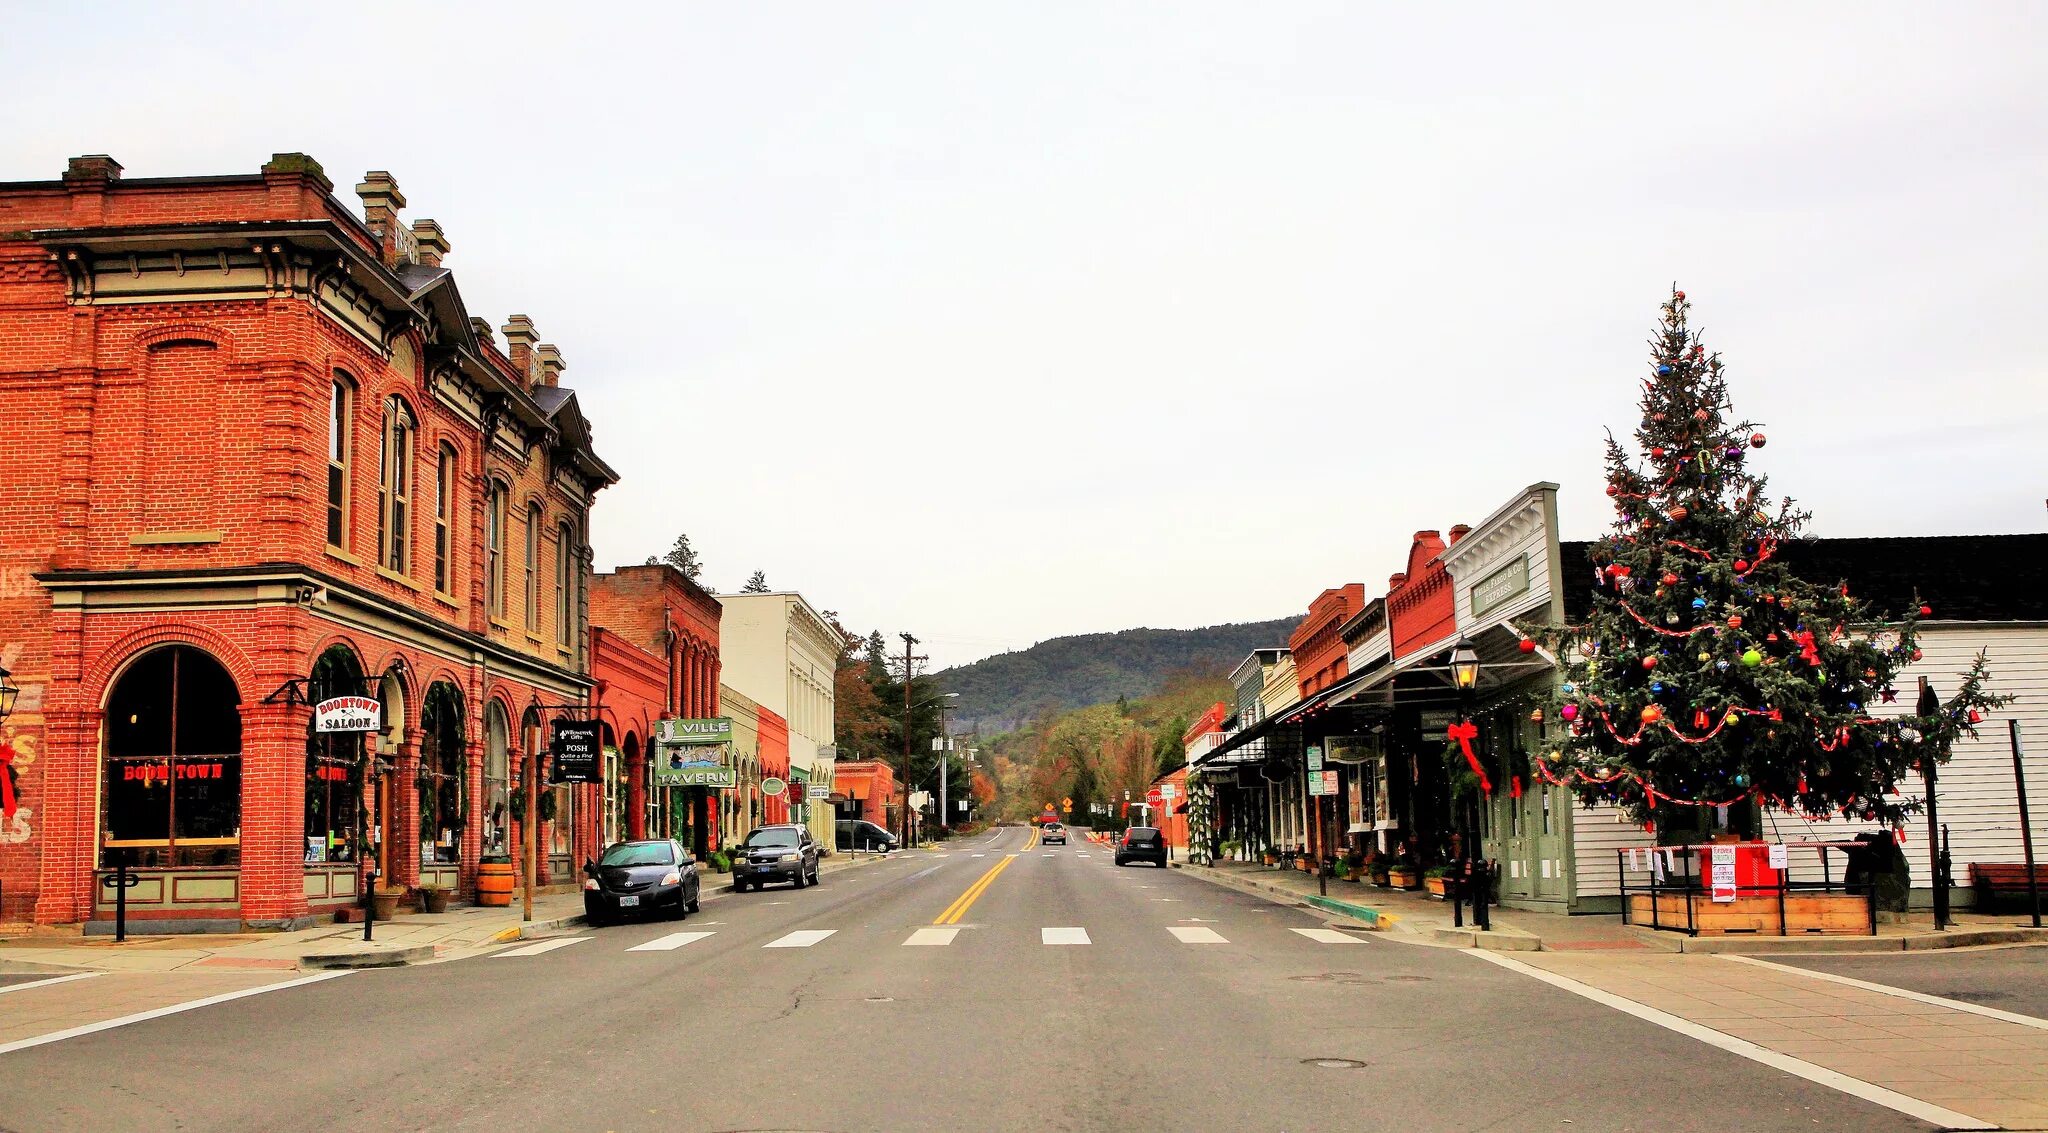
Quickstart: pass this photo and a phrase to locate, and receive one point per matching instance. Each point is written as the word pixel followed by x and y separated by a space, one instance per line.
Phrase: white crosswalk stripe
pixel 1063 936
pixel 802 938
pixel 932 936
pixel 539 947
pixel 1328 936
pixel 671 942
pixel 1197 935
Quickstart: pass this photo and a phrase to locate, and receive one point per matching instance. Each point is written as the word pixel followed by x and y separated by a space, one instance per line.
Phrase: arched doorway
pixel 338 823
pixel 630 768
pixel 173 765
pixel 497 808
pixel 441 786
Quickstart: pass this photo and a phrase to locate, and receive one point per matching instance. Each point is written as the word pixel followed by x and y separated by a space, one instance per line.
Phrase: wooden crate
pixel 1806 914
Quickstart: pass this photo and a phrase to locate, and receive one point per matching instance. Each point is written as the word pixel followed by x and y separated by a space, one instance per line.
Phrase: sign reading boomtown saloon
pixel 348 714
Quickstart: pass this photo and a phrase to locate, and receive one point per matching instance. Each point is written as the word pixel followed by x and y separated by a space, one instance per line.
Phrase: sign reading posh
pixel 574 747
pixel 348 714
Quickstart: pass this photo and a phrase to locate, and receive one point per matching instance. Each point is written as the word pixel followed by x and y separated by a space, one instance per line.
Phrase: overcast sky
pixel 1000 322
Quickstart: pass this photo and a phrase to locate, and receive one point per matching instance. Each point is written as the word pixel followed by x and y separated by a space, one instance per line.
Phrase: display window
pixel 442 805
pixel 497 781
pixel 334 766
pixel 173 767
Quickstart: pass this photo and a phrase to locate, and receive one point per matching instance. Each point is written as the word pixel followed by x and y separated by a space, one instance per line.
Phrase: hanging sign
pixel 818 792
pixel 348 714
pixel 712 730
pixel 692 765
pixel 1352 749
pixel 574 747
pixel 773 787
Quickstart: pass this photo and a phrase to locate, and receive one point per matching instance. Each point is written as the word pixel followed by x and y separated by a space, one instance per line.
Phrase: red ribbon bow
pixel 1465 732
pixel 7 799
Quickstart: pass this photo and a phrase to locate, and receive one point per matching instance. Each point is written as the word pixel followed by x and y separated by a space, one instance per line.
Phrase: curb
pixel 387 958
pixel 1795 945
pixel 1373 918
pixel 1487 941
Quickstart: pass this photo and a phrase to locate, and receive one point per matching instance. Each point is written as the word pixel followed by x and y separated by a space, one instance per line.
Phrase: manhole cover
pixel 1334 1063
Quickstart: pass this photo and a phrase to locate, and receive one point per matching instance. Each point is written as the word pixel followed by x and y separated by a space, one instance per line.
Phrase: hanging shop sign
pixel 1351 749
pixel 694 765
pixel 818 792
pixel 574 748
pixel 712 730
pixel 348 714
pixel 773 787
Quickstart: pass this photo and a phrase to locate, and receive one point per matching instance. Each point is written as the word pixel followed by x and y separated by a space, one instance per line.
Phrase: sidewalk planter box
pixel 1404 878
pixel 1379 878
pixel 1805 914
pixel 1441 886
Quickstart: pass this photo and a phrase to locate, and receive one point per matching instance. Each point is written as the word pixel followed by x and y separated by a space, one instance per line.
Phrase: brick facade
pixel 169 354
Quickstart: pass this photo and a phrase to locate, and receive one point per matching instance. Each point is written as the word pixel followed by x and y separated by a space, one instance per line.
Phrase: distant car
pixel 860 834
pixel 775 853
pixel 1142 844
pixel 640 878
pixel 1052 832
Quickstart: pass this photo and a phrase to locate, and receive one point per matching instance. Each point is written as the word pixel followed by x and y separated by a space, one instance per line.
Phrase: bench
pixel 1995 880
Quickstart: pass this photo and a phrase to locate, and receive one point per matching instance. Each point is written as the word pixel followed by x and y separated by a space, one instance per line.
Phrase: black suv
pixel 1142 844
pixel 775 853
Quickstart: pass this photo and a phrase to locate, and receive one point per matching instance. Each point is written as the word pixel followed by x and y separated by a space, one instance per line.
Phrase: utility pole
pixel 909 669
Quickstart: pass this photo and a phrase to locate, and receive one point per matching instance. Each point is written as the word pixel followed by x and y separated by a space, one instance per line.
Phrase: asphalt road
pixel 2009 979
pixel 1012 1024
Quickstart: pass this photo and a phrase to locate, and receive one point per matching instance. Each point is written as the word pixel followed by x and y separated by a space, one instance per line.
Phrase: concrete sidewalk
pixel 408 939
pixel 1421 918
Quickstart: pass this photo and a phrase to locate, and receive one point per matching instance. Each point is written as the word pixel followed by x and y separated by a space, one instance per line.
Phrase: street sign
pixel 773 787
pixel 348 714
pixel 938 744
pixel 1168 790
pixel 1153 797
pixel 574 747
pixel 1315 757
pixel 1066 804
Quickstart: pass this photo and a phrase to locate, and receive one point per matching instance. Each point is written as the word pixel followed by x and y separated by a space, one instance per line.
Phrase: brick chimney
pixel 481 327
pixel 432 242
pixel 551 364
pixel 1459 532
pixel 381 204
pixel 92 167
pixel 519 340
pixel 1395 580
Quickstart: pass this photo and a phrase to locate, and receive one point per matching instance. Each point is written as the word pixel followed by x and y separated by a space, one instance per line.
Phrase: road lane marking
pixel 543 946
pixel 1063 936
pixel 1833 1079
pixel 801 938
pixel 931 936
pixel 160 1012
pixel 965 901
pixel 1196 935
pixel 51 980
pixel 1328 936
pixel 671 942
pixel 981 855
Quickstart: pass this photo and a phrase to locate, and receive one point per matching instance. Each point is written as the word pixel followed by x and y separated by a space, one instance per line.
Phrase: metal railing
pixel 1680 874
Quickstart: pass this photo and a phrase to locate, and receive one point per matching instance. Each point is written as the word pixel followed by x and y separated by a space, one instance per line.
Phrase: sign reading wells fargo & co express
pixel 715 730
pixel 574 748
pixel 348 714
pixel 1510 581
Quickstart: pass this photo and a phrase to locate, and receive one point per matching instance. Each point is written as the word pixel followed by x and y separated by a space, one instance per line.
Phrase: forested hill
pixel 1001 693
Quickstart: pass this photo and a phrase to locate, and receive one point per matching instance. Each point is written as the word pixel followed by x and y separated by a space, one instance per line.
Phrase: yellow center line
pixel 966 900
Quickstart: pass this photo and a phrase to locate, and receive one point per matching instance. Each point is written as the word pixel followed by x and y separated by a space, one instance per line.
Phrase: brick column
pixel 69 822
pixel 405 815
pixel 472 840
pixel 635 771
pixel 273 886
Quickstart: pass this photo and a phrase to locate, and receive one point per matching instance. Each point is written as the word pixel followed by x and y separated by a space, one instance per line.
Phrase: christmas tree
pixel 1708 673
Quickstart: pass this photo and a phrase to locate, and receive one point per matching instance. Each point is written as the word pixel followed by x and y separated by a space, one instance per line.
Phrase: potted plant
pixel 1351 865
pixel 434 898
pixel 1226 850
pixel 1402 874
pixel 720 863
pixel 1269 856
pixel 385 900
pixel 1376 868
pixel 1437 881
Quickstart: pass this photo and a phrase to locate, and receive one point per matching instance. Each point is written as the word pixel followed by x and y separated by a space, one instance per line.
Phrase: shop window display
pixel 497 782
pixel 442 810
pixel 173 792
pixel 334 766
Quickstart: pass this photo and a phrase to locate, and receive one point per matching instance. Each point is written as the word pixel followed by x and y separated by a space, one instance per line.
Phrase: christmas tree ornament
pixel 1699 720
pixel 1720 666
pixel 1752 658
pixel 1741 566
pixel 1657 452
pixel 1705 657
pixel 1732 453
pixel 1699 603
pixel 1613 489
pixel 1925 612
pixel 1652 714
pixel 1733 718
pixel 1536 717
pixel 1699 414
pixel 1649 663
pixel 1669 579
pixel 1569 711
pixel 1656 686
pixel 1671 619
pixel 1741 780
pixel 1679 512
pixel 1975 717
pixel 1663 370
pixel 1916 657
pixel 1526 645
pixel 1735 621
pixel 1757 440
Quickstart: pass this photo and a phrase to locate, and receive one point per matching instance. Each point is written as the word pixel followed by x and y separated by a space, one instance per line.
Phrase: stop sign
pixel 1153 797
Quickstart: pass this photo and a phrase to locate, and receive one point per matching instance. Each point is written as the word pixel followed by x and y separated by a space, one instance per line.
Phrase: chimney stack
pixel 381 204
pixel 519 340
pixel 1459 532
pixel 432 243
pixel 481 327
pixel 92 167
pixel 551 364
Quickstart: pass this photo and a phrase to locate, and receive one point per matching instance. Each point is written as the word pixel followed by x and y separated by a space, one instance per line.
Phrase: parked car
pixel 1142 844
pixel 640 878
pixel 784 852
pixel 1052 832
pixel 860 834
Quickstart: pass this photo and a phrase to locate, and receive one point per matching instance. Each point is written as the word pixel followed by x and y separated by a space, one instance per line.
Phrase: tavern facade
pixel 260 455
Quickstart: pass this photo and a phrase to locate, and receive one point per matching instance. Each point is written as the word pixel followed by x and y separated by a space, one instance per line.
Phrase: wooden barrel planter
pixel 494 883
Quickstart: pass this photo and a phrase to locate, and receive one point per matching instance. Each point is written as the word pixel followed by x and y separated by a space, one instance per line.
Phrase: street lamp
pixel 1464 666
pixel 8 693
pixel 1930 707
pixel 1465 677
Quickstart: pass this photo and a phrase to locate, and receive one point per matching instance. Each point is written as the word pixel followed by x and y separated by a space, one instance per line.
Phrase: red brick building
pixel 866 788
pixel 1321 658
pixel 657 612
pixel 258 454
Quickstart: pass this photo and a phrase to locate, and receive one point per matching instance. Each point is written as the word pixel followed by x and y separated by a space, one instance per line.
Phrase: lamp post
pixel 8 693
pixel 1937 860
pixel 1465 678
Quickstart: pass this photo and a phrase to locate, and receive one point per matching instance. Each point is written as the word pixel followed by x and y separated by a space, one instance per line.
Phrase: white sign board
pixel 1330 782
pixel 1779 858
pixel 348 714
pixel 1168 790
pixel 1315 757
pixel 1724 874
pixel 817 792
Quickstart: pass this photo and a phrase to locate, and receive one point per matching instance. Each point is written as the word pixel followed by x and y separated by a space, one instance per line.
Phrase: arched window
pixel 444 521
pixel 443 808
pixel 394 487
pixel 173 793
pixel 340 405
pixel 497 781
pixel 566 559
pixel 494 549
pixel 533 523
pixel 334 764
